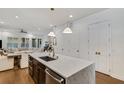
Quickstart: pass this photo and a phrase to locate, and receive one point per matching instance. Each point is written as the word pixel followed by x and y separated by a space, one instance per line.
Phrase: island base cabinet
pixel 36 71
pixel 42 77
pixel 35 74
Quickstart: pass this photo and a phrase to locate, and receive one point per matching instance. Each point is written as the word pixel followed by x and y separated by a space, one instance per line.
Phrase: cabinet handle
pixel 96 53
pixel 99 53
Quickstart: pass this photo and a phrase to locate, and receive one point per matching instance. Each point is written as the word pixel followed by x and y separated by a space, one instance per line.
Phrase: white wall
pixel 78 40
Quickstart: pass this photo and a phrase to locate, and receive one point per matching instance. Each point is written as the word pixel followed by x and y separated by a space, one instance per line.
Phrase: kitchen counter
pixel 18 53
pixel 65 66
pixel 23 55
pixel 7 59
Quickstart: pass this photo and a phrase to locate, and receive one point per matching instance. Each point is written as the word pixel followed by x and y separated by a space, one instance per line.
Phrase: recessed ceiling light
pixel 1 22
pixel 51 25
pixel 16 16
pixel 70 16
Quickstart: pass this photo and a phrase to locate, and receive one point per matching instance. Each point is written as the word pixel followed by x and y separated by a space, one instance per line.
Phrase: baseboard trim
pixel 117 77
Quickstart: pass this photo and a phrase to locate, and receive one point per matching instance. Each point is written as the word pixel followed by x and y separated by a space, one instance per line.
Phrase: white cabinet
pixel 6 63
pixel 24 60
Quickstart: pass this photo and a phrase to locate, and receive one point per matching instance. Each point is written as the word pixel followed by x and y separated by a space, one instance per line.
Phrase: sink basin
pixel 47 58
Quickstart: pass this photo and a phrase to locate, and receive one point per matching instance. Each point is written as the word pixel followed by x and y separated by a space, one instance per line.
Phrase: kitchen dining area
pixel 61 46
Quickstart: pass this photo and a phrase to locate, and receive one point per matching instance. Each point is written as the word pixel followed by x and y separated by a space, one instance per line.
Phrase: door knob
pixel 96 53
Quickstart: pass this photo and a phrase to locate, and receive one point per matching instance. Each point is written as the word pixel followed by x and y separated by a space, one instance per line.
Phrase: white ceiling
pixel 38 20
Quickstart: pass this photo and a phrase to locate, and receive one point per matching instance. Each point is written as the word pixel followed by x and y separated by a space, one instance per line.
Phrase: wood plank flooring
pixel 105 79
pixel 16 76
pixel 21 76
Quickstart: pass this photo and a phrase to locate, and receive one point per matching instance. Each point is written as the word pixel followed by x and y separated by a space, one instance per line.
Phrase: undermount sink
pixel 47 58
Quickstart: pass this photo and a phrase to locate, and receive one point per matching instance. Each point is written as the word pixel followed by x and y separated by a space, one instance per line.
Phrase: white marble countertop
pixel 65 66
pixel 18 53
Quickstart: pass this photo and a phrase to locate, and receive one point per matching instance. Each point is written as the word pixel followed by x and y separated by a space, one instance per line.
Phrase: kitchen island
pixel 72 70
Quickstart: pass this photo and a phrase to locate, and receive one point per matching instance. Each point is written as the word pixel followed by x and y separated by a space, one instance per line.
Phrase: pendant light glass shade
pixel 67 30
pixel 51 34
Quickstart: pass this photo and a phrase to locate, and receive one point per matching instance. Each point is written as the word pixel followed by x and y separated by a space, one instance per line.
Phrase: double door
pixel 99 46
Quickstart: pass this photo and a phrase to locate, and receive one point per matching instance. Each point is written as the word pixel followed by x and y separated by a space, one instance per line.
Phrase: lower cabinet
pixel 41 74
pixel 37 71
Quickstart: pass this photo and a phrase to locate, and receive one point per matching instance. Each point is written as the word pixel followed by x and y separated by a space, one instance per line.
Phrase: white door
pixel 99 46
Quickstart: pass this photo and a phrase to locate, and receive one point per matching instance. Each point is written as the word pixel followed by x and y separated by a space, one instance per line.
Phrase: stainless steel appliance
pixel 53 78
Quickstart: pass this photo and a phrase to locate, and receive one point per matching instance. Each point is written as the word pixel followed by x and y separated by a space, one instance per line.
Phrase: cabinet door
pixel 35 72
pixel 93 45
pixel 24 60
pixel 30 69
pixel 42 76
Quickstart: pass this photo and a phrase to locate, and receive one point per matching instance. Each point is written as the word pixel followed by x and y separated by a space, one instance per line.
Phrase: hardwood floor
pixel 105 79
pixel 21 76
pixel 16 76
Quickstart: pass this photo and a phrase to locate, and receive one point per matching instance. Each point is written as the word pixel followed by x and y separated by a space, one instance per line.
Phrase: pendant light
pixel 67 29
pixel 52 34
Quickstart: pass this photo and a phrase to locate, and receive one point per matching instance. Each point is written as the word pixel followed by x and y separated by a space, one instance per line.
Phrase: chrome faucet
pixel 52 44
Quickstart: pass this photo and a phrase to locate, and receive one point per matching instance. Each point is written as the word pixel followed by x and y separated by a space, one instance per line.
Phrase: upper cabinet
pixel 23 42
pixel 39 43
pixel 33 42
pixel 13 42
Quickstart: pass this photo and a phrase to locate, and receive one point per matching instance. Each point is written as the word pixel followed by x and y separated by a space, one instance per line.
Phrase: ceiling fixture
pixel 52 34
pixel 52 9
pixel 51 25
pixel 70 16
pixel 16 17
pixel 68 29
